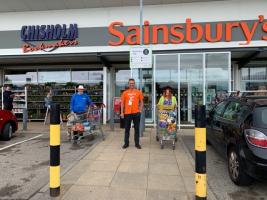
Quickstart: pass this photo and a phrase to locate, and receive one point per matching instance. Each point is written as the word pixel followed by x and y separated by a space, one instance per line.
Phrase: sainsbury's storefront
pixel 200 49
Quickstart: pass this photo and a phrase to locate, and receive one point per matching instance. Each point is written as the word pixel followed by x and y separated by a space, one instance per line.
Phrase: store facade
pixel 199 49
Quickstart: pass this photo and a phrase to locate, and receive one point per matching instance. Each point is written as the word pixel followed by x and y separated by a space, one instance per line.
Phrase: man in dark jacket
pixel 8 99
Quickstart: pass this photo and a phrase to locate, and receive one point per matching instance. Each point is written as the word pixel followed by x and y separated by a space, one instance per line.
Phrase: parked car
pixel 8 124
pixel 237 128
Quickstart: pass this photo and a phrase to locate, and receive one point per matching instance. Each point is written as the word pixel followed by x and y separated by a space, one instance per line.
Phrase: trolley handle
pixel 94 110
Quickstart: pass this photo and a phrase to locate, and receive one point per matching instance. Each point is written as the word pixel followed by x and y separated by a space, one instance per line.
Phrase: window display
pixel 57 82
pixel 60 94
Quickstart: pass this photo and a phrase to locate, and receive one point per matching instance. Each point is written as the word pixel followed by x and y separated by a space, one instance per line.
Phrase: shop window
pixel 80 76
pixel 122 77
pixel 54 76
pixel 217 78
pixel 19 77
pixel 95 76
pixel 245 74
pixel 258 73
pixel 191 67
pixel 253 78
pixel 217 66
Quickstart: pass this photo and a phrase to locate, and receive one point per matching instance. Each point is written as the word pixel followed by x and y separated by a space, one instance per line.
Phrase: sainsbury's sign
pixel 188 32
pixel 60 35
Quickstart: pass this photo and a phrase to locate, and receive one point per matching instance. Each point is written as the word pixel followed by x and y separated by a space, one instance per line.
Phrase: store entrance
pixel 144 81
pixel 146 75
pixel 191 94
pixel 191 76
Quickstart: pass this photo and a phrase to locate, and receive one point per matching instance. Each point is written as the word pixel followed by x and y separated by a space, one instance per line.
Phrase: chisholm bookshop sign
pixel 48 37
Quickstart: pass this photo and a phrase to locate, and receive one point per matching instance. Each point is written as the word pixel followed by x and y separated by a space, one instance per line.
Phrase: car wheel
pixel 236 170
pixel 7 132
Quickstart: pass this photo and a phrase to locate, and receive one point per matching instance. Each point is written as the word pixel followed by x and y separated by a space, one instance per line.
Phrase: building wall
pixel 160 14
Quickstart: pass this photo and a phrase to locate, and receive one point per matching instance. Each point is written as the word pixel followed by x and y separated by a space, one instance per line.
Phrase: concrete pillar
pixel 105 86
pixel 1 76
pixel 111 94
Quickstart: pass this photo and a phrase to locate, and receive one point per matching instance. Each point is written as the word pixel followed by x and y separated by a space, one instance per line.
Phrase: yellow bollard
pixel 55 150
pixel 200 153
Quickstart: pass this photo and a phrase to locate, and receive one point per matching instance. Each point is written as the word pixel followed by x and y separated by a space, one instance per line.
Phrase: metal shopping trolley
pixel 166 125
pixel 84 124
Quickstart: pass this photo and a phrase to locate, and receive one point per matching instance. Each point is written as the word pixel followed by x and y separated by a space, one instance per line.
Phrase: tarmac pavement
pixel 24 160
pixel 108 172
pixel 217 175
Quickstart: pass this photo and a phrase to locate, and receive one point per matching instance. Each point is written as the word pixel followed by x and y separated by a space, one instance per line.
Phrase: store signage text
pixel 188 32
pixel 65 36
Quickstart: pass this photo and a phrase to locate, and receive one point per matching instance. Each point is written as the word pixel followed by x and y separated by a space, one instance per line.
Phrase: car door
pixel 230 123
pixel 2 119
pixel 213 123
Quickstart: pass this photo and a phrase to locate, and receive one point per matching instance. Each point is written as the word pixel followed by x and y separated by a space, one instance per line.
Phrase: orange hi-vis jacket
pixel 130 99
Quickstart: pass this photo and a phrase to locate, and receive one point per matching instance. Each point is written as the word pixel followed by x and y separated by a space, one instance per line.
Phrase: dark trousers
pixel 127 123
pixel 8 106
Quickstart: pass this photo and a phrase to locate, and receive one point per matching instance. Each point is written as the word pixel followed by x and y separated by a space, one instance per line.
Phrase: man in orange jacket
pixel 131 106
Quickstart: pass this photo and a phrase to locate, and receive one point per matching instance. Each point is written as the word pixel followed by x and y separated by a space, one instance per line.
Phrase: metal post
pixel 25 118
pixel 111 92
pixel 112 117
pixel 200 151
pixel 55 150
pixel 142 118
pixel 141 22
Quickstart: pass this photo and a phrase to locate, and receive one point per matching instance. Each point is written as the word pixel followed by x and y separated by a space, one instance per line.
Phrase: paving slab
pixel 189 184
pixel 133 167
pixel 104 165
pixel 94 178
pixel 164 169
pixel 166 195
pixel 133 149
pixel 135 157
pixel 159 158
pixel 129 180
pixel 79 192
pixel 110 156
pixel 76 172
pixel 129 194
pixel 163 182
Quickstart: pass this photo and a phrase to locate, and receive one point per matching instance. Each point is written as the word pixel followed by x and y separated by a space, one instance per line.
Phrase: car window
pixel 232 111
pixel 219 109
pixel 259 117
pixel 243 112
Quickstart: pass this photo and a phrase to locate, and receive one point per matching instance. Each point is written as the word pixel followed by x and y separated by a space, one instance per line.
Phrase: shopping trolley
pixel 166 124
pixel 81 125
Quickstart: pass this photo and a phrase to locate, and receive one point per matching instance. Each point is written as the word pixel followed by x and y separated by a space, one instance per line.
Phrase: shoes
pixel 125 146
pixel 138 146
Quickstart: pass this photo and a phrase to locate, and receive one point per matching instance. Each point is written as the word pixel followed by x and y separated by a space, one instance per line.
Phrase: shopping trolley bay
pixel 24 160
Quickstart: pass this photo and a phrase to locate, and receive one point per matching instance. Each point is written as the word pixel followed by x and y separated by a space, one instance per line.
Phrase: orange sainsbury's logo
pixel 188 32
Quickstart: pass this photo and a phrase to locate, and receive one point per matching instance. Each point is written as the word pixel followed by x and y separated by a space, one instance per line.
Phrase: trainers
pixel 138 146
pixel 125 146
